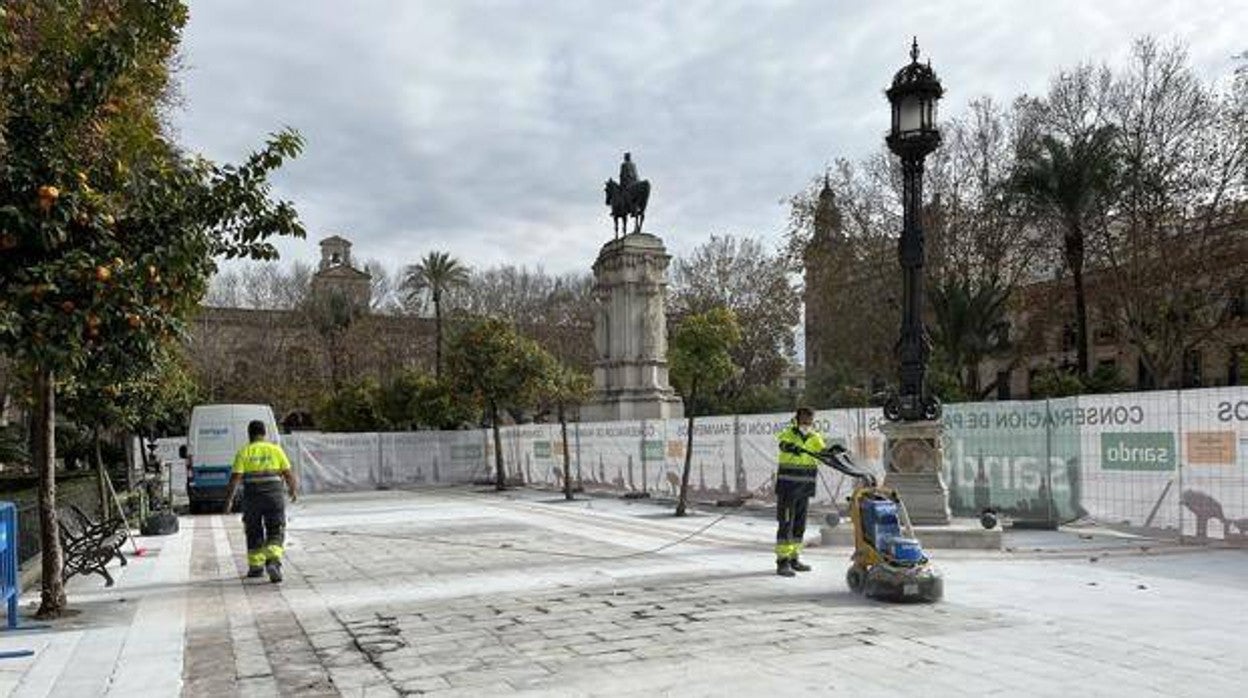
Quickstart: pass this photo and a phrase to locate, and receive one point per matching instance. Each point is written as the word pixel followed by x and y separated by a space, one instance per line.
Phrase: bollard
pixel 9 589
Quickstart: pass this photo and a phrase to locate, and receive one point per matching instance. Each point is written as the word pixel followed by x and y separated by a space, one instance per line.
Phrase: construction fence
pixel 1171 461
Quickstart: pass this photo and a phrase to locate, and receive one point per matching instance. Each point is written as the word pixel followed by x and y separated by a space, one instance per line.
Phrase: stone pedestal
pixel 630 333
pixel 912 465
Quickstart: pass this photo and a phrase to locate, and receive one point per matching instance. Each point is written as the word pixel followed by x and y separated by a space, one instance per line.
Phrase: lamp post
pixel 913 96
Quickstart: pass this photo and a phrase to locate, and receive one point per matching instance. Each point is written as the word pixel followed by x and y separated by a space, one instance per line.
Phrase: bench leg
pixel 101 569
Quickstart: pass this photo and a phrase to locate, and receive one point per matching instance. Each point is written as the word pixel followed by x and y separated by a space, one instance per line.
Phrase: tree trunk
pixel 684 476
pixel 43 456
pixel 100 485
pixel 567 461
pixel 500 477
pixel 437 335
pixel 1074 257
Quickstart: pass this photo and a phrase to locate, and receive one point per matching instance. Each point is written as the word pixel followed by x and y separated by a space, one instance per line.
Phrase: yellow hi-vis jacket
pixel 797 467
pixel 260 463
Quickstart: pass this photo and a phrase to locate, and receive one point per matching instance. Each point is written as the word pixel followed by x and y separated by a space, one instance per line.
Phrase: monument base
pixel 913 462
pixel 634 406
pixel 630 333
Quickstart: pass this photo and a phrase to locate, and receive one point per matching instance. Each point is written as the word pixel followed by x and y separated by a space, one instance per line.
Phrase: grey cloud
pixel 488 128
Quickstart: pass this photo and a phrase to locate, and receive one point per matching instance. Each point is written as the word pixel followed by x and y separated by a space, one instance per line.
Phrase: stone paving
pixel 458 592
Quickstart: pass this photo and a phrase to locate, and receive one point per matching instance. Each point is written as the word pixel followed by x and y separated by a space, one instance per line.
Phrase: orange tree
pixel 490 362
pixel 108 230
pixel 701 361
pixel 562 388
pixel 140 397
pixel 414 400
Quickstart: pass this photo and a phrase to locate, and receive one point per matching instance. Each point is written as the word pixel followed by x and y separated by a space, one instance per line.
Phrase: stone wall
pixel 279 357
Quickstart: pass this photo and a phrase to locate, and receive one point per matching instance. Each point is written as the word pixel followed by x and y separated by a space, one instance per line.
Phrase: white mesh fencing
pixel 1167 460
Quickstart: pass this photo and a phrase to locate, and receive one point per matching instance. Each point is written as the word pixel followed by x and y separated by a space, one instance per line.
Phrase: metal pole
pixel 910 254
pixel 1048 461
pixel 577 435
pixel 1178 450
pixel 737 465
pixel 644 469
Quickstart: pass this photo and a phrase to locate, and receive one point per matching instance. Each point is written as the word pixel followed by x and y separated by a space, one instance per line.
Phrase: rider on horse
pixel 628 197
pixel 628 173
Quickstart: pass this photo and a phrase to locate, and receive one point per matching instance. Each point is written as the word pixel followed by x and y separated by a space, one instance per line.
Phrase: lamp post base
pixel 913 463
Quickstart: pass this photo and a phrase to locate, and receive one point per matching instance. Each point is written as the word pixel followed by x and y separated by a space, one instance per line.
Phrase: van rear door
pixel 216 438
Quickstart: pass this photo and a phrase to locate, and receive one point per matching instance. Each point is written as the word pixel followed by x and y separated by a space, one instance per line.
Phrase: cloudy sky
pixel 487 128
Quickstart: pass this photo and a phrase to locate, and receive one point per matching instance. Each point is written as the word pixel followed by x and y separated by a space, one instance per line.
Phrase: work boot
pixel 784 568
pixel 253 572
pixel 274 568
pixel 799 566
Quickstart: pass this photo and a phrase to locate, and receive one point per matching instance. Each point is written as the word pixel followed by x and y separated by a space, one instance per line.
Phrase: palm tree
pixel 970 324
pixel 1069 182
pixel 436 274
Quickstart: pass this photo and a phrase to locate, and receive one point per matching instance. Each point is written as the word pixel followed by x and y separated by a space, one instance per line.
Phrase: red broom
pixel 138 552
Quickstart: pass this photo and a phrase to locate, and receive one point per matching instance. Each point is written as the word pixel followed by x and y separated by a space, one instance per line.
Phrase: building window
pixel 792 384
pixel 1003 385
pixel 1191 369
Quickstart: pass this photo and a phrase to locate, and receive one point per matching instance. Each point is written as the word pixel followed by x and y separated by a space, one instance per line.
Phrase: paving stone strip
pixel 290 653
pixel 209 654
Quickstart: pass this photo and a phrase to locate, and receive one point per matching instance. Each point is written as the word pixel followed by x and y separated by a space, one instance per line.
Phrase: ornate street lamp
pixel 913 136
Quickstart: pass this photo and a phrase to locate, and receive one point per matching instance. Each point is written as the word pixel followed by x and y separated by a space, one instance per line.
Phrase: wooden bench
pixel 88 546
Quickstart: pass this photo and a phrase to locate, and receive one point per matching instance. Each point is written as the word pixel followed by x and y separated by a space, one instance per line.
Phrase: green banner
pixel 541 449
pixel 1138 450
pixel 1016 457
pixel 653 450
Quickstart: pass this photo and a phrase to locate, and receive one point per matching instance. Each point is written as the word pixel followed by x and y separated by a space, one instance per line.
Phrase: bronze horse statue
pixel 628 203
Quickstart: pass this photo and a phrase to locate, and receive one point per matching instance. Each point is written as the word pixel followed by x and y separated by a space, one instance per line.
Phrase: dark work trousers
pixel 792 500
pixel 264 518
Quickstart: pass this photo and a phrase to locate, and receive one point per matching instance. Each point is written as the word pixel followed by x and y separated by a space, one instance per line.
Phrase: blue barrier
pixel 9 589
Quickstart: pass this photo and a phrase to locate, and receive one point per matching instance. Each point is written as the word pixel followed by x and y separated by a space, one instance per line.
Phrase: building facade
pixel 292 359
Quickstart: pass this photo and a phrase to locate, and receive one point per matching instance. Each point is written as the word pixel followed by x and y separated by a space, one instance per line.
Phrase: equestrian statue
pixel 628 197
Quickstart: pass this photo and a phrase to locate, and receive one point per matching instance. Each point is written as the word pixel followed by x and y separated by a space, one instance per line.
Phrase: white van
pixel 216 433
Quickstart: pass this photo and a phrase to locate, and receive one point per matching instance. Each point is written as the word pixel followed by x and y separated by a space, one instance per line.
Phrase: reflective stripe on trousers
pixel 792 500
pixel 264 518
